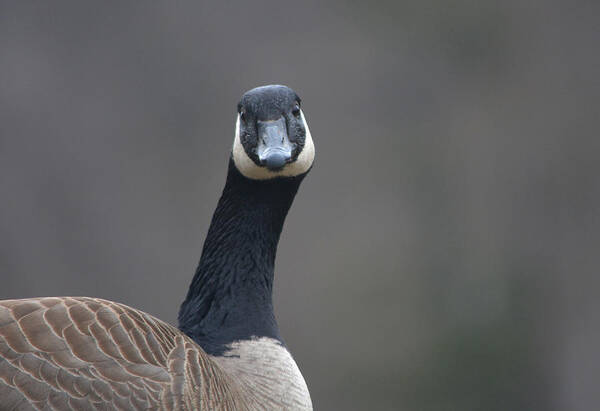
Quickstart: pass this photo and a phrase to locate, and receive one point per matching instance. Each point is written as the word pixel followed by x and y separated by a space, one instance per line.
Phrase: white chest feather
pixel 267 373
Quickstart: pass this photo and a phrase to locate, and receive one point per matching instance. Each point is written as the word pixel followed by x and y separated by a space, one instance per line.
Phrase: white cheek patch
pixel 249 169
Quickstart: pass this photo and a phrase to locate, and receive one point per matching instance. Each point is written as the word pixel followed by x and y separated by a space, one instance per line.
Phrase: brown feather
pixel 86 353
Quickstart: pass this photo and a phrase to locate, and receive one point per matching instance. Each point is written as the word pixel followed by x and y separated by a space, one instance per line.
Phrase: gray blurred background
pixel 442 254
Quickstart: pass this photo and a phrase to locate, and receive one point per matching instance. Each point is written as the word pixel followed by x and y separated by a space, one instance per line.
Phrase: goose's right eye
pixel 296 110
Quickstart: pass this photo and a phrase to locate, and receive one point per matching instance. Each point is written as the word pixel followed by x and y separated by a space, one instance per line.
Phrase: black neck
pixel 230 297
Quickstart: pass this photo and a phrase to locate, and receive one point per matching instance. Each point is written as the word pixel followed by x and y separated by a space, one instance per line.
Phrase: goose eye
pixel 243 115
pixel 296 110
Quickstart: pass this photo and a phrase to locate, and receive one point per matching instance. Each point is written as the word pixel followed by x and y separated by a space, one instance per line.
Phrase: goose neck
pixel 230 298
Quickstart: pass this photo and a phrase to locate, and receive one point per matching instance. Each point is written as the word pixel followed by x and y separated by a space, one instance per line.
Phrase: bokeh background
pixel 443 252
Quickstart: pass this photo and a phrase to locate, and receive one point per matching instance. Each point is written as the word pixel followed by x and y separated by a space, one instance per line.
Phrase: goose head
pixel 272 139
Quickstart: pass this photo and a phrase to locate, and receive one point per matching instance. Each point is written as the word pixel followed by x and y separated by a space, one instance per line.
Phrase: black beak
pixel 274 147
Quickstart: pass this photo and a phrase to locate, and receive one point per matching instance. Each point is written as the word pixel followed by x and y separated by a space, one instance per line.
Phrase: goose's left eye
pixel 296 110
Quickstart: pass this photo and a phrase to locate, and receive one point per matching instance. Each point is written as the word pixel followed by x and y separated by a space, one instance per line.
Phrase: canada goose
pixel 60 353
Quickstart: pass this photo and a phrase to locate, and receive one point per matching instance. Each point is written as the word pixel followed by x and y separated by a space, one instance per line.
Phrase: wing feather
pixel 64 353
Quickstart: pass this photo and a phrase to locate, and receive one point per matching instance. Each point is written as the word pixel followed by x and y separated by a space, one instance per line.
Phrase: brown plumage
pixel 88 353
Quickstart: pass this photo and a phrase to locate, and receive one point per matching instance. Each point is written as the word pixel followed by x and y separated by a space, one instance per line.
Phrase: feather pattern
pixel 62 353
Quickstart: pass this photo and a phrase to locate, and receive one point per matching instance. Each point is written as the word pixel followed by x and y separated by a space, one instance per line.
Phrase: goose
pixel 63 353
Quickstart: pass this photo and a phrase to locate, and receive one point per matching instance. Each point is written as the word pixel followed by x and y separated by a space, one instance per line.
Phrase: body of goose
pixel 63 353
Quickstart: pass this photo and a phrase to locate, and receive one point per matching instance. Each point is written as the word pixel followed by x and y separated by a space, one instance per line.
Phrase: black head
pixel 272 138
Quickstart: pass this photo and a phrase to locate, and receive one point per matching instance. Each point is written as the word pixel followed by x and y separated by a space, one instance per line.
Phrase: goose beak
pixel 274 147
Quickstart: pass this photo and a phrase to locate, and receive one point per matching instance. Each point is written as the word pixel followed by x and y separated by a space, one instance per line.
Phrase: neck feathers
pixel 230 298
